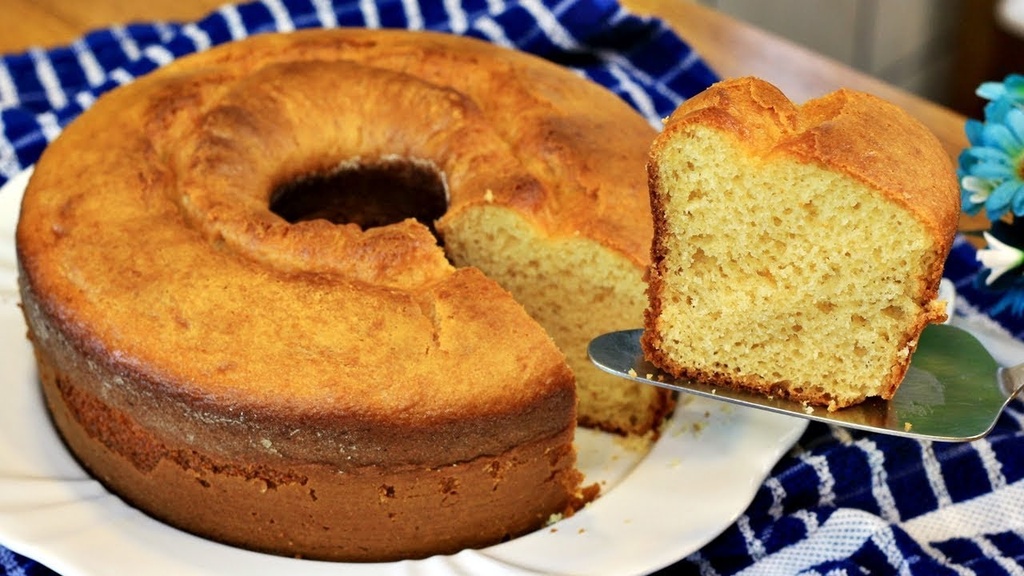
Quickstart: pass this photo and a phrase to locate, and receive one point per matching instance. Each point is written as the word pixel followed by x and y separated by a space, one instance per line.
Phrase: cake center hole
pixel 367 193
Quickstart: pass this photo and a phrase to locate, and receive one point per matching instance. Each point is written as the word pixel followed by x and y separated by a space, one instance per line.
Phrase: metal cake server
pixel 953 392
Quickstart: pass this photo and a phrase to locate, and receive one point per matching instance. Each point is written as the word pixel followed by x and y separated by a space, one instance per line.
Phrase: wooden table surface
pixel 731 48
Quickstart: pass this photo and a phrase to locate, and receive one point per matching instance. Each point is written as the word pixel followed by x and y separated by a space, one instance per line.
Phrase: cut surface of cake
pixel 798 249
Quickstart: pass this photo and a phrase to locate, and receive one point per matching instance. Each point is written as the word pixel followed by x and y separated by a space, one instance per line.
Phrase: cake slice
pixel 797 249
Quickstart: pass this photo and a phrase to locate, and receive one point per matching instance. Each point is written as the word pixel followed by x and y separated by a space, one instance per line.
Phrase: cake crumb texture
pixel 798 249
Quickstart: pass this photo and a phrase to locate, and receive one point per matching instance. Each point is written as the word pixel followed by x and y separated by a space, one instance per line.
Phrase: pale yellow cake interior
pixel 769 271
pixel 576 289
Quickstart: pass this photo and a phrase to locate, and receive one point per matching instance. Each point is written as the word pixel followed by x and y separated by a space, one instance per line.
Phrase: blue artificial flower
pixel 991 169
pixel 991 173
pixel 1012 88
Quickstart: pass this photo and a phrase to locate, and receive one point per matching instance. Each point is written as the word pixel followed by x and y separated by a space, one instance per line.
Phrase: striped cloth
pixel 840 502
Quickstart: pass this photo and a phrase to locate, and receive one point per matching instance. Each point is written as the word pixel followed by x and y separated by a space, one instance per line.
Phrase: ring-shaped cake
pixel 243 331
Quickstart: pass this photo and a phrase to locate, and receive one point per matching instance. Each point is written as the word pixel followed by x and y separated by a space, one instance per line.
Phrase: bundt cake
pixel 245 324
pixel 797 249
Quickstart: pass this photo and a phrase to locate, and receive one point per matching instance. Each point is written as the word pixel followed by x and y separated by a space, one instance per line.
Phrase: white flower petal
pixel 976 185
pixel 999 257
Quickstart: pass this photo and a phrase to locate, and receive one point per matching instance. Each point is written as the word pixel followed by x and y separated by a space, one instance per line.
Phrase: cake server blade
pixel 953 392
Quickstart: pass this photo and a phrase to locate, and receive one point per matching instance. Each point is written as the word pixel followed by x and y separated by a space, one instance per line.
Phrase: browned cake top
pixel 147 235
pixel 798 249
pixel 849 131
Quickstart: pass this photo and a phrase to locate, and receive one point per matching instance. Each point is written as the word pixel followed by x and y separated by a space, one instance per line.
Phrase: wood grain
pixel 47 23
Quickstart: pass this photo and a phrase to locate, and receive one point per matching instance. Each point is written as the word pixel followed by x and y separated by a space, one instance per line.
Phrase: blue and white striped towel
pixel 840 502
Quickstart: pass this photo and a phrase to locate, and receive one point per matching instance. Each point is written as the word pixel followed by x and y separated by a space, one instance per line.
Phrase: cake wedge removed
pixel 797 250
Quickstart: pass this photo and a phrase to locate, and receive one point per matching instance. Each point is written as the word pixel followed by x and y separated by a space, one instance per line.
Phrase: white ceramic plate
pixel 655 508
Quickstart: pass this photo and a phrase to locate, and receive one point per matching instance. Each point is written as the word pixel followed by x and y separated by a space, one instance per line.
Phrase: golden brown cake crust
pixel 189 339
pixel 846 132
pixel 279 500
